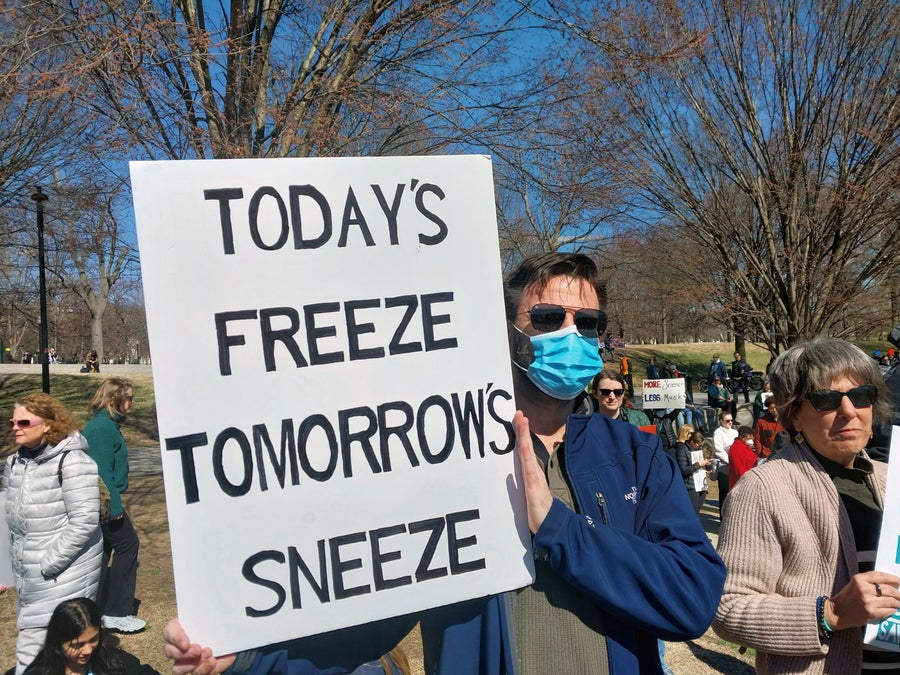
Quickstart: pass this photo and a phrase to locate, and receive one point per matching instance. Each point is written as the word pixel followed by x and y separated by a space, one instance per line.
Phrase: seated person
pixel 718 395
pixel 76 644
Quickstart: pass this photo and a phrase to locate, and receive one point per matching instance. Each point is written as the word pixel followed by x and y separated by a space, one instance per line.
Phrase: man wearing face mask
pixel 620 557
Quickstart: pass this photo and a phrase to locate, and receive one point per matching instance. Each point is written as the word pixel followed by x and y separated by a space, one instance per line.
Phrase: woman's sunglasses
pixel 547 318
pixel 24 424
pixel 606 392
pixel 826 400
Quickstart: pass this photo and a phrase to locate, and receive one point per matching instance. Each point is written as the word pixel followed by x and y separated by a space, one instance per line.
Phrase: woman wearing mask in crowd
pixel 801 530
pixel 77 645
pixel 109 408
pixel 53 513
pixel 690 441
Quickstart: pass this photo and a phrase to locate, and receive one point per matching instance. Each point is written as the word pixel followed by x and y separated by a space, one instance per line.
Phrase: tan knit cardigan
pixel 786 539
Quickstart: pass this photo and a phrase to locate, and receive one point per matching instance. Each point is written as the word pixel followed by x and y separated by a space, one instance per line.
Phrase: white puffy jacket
pixel 55 543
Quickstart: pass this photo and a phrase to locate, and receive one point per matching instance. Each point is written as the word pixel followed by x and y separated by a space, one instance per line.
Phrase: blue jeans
pixel 687 416
pixel 662 658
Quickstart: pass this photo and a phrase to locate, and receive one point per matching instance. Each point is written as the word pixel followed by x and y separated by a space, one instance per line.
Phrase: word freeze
pixel 281 325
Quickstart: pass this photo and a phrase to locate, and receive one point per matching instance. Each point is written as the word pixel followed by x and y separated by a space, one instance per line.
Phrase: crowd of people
pixel 622 562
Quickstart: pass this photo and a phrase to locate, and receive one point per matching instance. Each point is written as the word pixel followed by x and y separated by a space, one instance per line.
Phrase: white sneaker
pixel 123 624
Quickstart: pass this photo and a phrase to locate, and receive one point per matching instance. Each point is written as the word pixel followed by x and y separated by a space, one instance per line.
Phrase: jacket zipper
pixel 601 502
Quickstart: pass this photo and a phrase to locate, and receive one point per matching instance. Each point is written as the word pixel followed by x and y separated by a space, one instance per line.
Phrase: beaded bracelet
pixel 825 631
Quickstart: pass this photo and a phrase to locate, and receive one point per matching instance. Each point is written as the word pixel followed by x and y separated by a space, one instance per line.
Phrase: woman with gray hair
pixel 799 533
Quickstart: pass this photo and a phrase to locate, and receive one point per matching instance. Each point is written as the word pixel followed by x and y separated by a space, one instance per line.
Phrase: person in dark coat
pixel 690 441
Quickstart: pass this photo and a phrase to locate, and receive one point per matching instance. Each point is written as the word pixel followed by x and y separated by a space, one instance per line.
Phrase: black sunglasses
pixel 826 400
pixel 606 392
pixel 546 318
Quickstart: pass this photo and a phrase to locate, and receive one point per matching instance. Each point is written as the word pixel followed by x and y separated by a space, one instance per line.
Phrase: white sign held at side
pixel 886 634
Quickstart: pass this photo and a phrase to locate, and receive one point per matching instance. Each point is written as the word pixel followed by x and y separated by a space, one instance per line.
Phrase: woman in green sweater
pixel 110 406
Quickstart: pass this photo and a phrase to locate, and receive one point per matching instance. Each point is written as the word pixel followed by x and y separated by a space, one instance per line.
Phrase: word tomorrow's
pixel 361 435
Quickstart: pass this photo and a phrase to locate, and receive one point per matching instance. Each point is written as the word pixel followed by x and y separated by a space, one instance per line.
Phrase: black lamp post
pixel 39 199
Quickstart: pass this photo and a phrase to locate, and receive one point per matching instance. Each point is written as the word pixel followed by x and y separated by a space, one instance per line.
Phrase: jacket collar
pixel 74 441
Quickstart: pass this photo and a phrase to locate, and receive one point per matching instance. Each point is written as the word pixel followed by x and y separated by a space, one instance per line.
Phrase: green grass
pixel 76 392
pixel 749 651
pixel 691 357
pixel 695 357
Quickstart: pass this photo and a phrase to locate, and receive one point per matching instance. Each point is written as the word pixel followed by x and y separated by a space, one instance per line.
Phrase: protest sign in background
pixel 333 390
pixel 666 393
pixel 886 634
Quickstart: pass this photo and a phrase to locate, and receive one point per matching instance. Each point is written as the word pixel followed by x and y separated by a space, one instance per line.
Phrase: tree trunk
pixel 97 332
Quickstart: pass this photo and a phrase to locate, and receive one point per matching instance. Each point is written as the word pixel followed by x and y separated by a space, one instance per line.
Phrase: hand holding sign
pixel 871 596
pixel 190 657
pixel 885 633
pixel 537 493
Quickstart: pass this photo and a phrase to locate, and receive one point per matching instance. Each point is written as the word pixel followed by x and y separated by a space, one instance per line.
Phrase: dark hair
pixel 744 431
pixel 696 437
pixel 540 269
pixel 606 374
pixel 815 364
pixel 69 620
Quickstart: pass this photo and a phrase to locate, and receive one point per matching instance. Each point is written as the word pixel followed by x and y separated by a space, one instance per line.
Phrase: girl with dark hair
pixel 76 645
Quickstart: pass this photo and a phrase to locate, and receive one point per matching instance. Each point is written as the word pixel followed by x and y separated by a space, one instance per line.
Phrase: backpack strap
pixel 62 456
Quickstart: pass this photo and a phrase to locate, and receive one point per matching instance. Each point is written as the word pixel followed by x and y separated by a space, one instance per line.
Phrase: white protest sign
pixel 333 390
pixel 699 476
pixel 668 393
pixel 886 634
pixel 6 571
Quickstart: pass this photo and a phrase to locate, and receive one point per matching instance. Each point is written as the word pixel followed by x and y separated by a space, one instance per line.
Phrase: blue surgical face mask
pixel 564 362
